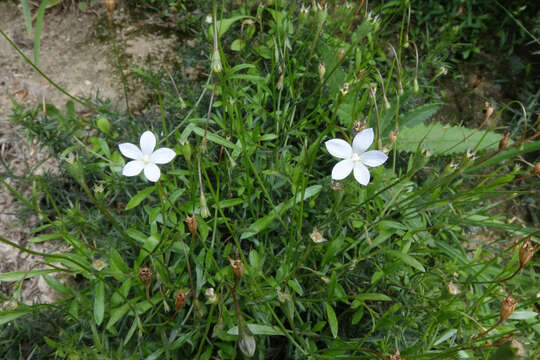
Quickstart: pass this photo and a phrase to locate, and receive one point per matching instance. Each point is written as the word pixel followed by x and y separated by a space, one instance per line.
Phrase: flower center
pixel 147 159
pixel 355 158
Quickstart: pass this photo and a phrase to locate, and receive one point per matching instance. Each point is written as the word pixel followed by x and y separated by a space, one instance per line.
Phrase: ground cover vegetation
pixel 224 221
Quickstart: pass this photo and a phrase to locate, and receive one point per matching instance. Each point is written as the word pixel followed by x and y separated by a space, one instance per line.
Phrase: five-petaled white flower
pixel 145 158
pixel 356 157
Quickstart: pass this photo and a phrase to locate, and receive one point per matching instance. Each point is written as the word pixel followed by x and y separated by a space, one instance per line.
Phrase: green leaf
pixel 27 16
pixel 57 285
pixel 37 30
pixel 141 195
pixel 223 25
pixel 116 314
pixel 99 303
pixel 419 115
pixel 45 237
pixel 103 124
pixel 446 140
pixel 447 335
pixel 407 259
pixel 265 221
pixel 371 297
pixel 257 329
pixel 19 275
pixel 7 316
pixel 332 320
pixel 523 315
pixel 216 138
pixel 238 45
pixel 295 285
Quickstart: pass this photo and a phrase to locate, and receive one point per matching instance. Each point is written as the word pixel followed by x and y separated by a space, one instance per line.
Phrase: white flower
pixel 356 157
pixel 145 158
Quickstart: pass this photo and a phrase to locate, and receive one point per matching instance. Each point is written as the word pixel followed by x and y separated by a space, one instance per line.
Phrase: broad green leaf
pixel 446 140
pixel 523 315
pixel 238 45
pixel 7 316
pixel 419 115
pixel 407 259
pixel 332 320
pixel 265 221
pixel 223 25
pixel 359 299
pixel 137 235
pixel 19 275
pixel 295 285
pixel 257 329
pixel 99 303
pixel 139 197
pixel 116 314
pixel 103 124
pixel 27 16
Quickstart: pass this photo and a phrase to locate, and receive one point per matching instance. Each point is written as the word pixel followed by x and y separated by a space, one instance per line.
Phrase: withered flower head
pixel 145 274
pixel 537 168
pixel 109 4
pixel 504 141
pixel 526 252
pixel 237 267
pixel 396 356
pixel 316 236
pixel 180 299
pixel 508 307
pixel 192 224
pixel 453 289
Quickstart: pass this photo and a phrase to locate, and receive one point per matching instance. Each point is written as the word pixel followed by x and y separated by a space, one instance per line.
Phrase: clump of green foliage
pixel 246 246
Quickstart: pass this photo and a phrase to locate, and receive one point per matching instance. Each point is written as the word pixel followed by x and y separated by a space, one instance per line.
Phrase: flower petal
pixel 361 173
pixel 152 173
pixel 342 169
pixel 163 155
pixel 373 158
pixel 133 168
pixel 339 148
pixel 148 142
pixel 130 151
pixel 363 140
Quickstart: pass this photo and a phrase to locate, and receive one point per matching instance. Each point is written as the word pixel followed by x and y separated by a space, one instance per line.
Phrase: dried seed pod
pixel 526 253
pixel 508 307
pixel 504 141
pixel 145 274
pixel 322 71
pixel 238 268
pixel 340 54
pixel 192 225
pixel 537 168
pixel 180 299
pixel 246 339
pixel 109 4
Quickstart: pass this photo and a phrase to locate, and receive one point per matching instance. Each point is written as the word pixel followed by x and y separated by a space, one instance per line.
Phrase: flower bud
pixel 246 340
pixel 322 71
pixel 145 275
pixel 237 267
pixel 416 87
pixel 180 299
pixel 526 252
pixel 211 295
pixel 386 102
pixel 504 141
pixel 345 89
pixel 216 62
pixel 204 207
pixel 192 225
pixel 508 307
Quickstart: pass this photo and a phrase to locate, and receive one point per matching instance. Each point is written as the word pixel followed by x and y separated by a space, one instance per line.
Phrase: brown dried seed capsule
pixel 192 224
pixel 508 307
pixel 504 141
pixel 537 168
pixel 341 53
pixel 526 253
pixel 145 274
pixel 237 267
pixel 109 4
pixel 180 299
